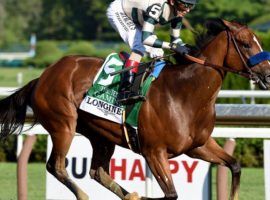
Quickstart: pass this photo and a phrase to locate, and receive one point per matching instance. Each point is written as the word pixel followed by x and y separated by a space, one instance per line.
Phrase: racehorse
pixel 177 118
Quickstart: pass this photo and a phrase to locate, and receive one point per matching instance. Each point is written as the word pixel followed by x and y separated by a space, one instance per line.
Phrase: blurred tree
pixel 73 19
pixel 240 10
pixel 2 19
pixel 86 19
pixel 20 19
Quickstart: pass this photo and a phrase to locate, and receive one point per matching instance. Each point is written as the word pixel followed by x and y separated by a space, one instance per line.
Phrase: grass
pixel 252 184
pixel 36 181
pixel 8 76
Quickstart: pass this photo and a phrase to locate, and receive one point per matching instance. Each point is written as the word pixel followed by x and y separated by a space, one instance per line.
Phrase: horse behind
pixel 177 118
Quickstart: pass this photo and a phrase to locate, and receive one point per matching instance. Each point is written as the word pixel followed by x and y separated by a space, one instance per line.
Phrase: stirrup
pixel 133 138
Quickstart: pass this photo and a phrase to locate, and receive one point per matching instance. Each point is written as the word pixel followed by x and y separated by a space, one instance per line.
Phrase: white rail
pixel 15 56
pixel 5 91
pixel 243 93
pixel 231 132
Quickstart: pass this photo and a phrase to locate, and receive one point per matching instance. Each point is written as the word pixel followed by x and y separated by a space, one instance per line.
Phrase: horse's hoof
pixel 83 196
pixel 132 196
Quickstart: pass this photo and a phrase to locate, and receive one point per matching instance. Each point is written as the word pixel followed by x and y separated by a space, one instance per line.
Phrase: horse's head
pixel 245 53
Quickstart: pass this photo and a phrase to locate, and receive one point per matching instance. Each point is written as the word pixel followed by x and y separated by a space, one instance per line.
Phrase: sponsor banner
pixel 102 109
pixel 130 171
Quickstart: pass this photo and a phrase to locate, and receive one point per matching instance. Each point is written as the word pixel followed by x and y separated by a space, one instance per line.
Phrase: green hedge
pixel 80 48
pixel 39 150
pixel 8 149
pixel 47 53
pixel 249 152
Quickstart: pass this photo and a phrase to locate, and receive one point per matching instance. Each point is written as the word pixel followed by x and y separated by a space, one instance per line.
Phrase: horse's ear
pixel 230 25
pixel 215 26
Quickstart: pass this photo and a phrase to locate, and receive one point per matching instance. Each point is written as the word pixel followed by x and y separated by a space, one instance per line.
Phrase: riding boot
pixel 127 80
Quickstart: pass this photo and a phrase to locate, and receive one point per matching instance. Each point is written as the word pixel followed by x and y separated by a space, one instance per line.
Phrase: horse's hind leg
pixel 56 163
pixel 102 153
pixel 213 153
pixel 61 125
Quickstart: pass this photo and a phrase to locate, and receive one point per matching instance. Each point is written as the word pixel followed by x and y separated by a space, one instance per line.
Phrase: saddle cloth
pixel 101 98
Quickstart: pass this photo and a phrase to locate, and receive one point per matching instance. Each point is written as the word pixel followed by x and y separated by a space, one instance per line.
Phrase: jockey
pixel 135 21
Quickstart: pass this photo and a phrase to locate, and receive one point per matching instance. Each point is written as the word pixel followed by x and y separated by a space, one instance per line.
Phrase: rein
pixel 191 58
pixel 203 62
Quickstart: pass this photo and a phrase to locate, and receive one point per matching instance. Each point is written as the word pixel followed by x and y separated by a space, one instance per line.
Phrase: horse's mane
pixel 212 28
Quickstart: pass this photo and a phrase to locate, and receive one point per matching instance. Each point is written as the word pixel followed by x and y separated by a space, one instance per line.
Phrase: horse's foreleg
pixel 56 163
pixel 157 160
pixel 212 152
pixel 102 153
pixel 106 180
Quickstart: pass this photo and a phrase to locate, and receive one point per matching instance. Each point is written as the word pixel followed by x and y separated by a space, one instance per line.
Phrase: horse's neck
pixel 201 82
pixel 215 53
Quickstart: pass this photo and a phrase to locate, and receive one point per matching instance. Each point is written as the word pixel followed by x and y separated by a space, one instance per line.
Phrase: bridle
pixel 230 37
pixel 251 62
pixel 252 75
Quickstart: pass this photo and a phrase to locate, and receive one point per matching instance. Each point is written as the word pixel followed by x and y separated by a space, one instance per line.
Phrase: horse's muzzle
pixel 264 82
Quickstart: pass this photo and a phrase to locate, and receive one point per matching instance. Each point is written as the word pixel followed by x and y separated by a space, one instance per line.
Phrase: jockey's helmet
pixel 188 1
pixel 185 4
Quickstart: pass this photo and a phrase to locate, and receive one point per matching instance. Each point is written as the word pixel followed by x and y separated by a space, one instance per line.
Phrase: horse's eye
pixel 246 46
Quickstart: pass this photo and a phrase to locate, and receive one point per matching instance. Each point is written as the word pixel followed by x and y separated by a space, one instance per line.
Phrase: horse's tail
pixel 13 110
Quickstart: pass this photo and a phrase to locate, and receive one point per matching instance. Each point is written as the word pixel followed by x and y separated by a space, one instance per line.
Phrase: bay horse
pixel 177 118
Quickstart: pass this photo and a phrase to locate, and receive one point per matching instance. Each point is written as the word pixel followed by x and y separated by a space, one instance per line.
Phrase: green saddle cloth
pixel 101 98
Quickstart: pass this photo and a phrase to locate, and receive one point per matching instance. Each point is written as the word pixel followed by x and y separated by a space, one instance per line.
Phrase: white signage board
pixel 129 170
pixel 267 168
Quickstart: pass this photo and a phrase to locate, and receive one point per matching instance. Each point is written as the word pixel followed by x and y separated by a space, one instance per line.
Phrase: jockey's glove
pixel 182 49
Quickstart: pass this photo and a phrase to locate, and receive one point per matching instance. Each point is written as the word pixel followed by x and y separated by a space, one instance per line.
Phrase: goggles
pixel 185 5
